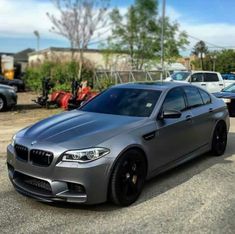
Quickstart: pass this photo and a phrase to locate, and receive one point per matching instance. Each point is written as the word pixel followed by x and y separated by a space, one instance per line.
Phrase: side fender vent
pixel 149 136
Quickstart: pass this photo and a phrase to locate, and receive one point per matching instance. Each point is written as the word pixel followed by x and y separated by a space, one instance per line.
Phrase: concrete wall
pixel 95 58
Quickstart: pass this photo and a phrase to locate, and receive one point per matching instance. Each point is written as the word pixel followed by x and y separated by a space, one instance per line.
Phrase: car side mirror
pixel 170 114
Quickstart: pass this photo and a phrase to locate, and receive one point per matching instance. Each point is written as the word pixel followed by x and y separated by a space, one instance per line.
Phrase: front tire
pixel 2 104
pixel 128 177
pixel 219 141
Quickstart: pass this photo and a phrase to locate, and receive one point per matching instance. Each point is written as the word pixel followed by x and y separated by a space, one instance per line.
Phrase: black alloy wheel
pixel 2 104
pixel 128 178
pixel 219 141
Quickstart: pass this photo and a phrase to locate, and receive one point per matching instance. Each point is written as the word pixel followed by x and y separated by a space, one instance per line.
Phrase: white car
pixel 211 81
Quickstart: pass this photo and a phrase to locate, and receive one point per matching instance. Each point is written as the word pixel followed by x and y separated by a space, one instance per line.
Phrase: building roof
pixel 6 53
pixel 23 55
pixel 60 49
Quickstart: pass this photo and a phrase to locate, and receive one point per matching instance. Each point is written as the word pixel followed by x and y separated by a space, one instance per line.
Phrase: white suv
pixel 211 81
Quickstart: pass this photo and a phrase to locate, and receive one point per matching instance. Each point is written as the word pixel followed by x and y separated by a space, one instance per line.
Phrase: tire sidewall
pixel 215 151
pixel 4 104
pixel 114 193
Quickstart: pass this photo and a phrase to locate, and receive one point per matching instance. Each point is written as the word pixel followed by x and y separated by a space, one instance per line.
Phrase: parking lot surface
pixel 197 197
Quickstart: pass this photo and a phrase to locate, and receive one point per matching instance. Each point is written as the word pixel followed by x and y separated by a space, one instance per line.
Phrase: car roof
pixel 195 71
pixel 153 85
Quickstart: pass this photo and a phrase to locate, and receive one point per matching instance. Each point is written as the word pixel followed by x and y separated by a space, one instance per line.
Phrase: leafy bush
pixel 60 73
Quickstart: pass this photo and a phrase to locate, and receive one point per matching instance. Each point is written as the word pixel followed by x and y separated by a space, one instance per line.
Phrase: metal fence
pixel 118 77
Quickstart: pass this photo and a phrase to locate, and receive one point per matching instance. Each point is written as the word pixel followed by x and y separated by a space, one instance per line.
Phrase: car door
pixel 199 101
pixel 197 79
pixel 174 136
pixel 213 83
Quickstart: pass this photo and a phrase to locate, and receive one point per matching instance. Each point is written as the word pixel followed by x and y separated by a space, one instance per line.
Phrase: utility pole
pixel 162 38
pixel 36 33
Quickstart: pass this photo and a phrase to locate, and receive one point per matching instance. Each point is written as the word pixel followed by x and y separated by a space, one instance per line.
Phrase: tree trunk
pixel 80 65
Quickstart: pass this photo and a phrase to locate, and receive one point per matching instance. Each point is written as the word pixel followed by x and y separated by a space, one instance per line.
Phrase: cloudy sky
pixel 209 20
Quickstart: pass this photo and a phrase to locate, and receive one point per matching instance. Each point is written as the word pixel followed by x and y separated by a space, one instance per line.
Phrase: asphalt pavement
pixel 197 197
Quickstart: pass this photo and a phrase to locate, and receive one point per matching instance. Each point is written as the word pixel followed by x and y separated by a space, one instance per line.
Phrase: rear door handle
pixel 203 84
pixel 211 110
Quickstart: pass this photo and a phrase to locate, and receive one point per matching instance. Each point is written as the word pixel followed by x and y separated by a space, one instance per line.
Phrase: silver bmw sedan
pixel 109 147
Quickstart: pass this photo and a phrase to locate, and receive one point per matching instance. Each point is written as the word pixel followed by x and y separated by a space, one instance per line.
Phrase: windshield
pixel 230 88
pixel 180 75
pixel 124 101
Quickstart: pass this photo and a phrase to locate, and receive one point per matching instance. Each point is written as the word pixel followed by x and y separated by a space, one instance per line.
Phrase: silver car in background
pixel 109 147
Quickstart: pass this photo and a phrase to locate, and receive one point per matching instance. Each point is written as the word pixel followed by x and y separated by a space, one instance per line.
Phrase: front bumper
pixel 11 99
pixel 231 108
pixel 61 181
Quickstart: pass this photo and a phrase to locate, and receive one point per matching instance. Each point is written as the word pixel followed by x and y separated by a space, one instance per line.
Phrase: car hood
pixel 5 86
pixel 224 95
pixel 79 129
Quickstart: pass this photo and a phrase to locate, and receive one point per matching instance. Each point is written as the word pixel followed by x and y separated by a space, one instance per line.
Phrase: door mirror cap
pixel 170 114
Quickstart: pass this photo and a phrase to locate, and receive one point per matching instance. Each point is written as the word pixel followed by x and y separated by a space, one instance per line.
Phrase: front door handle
pixel 211 110
pixel 203 84
pixel 188 118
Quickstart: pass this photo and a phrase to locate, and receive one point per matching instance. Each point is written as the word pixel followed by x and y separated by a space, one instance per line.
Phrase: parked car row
pixel 211 81
pixel 17 84
pixel 8 97
pixel 228 96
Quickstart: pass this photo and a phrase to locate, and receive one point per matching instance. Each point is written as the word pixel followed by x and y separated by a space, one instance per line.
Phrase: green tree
pixel 138 33
pixel 220 61
pixel 200 50
pixel 225 61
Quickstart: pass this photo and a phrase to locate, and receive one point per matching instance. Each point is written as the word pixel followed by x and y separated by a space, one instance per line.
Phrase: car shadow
pixel 165 181
pixel 24 107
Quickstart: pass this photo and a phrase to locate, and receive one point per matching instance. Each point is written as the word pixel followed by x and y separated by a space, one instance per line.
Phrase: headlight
pixel 85 155
pixel 226 100
pixel 12 91
pixel 13 140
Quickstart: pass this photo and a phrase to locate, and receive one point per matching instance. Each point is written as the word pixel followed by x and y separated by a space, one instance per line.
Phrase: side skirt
pixel 185 158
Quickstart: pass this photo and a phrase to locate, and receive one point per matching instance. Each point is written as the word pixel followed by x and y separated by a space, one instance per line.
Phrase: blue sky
pixel 209 20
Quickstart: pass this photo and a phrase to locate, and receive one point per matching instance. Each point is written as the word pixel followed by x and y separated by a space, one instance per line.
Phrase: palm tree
pixel 200 50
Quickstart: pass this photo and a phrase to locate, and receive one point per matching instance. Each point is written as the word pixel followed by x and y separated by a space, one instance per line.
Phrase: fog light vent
pixel 75 188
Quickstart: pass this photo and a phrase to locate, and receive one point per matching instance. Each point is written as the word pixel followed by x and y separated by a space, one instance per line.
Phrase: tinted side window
pixel 210 77
pixel 193 96
pixel 205 97
pixel 175 100
pixel 197 77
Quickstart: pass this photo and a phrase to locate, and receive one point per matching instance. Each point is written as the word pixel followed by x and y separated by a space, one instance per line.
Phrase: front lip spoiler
pixel 60 197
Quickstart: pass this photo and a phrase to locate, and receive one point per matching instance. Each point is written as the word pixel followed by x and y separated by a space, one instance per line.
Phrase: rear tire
pixel 219 140
pixel 2 103
pixel 128 177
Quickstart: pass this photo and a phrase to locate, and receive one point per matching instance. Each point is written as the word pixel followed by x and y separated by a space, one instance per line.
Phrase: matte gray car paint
pixel 172 142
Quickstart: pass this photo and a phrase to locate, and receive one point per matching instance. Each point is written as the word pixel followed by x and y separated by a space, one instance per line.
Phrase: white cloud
pixel 173 14
pixel 21 18
pixel 220 34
